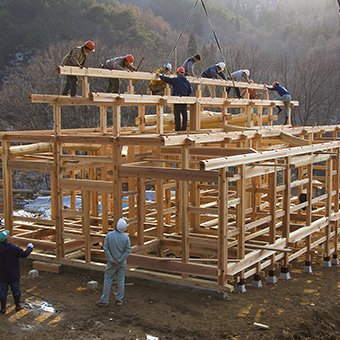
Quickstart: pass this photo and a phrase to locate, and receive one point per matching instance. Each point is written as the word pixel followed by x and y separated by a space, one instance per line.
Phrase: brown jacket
pixel 76 57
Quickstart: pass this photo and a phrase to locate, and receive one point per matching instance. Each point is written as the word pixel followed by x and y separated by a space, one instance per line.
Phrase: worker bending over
pixel 214 71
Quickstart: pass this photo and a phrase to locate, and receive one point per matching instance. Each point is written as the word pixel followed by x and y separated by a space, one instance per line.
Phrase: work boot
pixel 3 306
pixel 17 303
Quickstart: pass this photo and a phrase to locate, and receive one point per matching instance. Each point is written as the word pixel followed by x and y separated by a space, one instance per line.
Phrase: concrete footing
pixel 257 283
pixel 308 267
pixel 285 274
pixel 241 287
pixel 327 262
pixel 272 279
pixel 335 260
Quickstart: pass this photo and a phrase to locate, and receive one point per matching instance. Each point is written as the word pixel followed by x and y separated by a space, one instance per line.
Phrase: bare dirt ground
pixel 59 306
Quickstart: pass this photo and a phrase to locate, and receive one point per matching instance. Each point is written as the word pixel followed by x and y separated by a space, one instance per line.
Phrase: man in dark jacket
pixel 215 71
pixel 10 270
pixel 284 95
pixel 76 57
pixel 180 87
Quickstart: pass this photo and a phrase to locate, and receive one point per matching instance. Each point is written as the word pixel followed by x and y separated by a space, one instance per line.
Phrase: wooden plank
pixel 47 267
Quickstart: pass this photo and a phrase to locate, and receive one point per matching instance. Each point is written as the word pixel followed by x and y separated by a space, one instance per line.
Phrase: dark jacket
pixel 213 72
pixel 9 261
pixel 180 85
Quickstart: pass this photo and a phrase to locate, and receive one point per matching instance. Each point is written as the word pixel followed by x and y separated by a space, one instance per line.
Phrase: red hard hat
pixel 129 58
pixel 181 70
pixel 90 45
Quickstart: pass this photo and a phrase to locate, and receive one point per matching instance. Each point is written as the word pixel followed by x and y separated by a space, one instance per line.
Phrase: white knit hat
pixel 121 225
pixel 247 72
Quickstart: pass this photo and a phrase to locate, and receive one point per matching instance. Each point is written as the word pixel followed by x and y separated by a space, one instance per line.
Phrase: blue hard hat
pixel 3 235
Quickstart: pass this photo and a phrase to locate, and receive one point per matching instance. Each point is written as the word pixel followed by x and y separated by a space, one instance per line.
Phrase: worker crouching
pixel 10 270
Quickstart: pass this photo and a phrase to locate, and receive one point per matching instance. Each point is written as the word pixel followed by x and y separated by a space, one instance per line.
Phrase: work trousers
pixel 180 109
pixel 286 98
pixel 71 85
pixel 15 287
pixel 113 85
pixel 111 272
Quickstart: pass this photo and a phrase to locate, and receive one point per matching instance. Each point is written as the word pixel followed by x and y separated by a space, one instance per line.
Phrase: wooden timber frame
pixel 226 193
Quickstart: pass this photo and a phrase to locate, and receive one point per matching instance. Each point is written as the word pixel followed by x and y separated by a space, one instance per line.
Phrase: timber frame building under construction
pixel 234 196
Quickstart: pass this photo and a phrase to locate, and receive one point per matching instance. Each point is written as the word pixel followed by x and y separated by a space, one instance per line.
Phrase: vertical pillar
pixel 7 187
pixel 222 254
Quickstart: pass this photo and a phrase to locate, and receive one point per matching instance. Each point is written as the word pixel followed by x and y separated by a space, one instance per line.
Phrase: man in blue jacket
pixel 284 96
pixel 117 248
pixel 180 87
pixel 214 71
pixel 10 270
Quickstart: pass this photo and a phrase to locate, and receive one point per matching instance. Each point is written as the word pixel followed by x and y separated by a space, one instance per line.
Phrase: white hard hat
pixel 221 65
pixel 168 66
pixel 121 225
pixel 247 72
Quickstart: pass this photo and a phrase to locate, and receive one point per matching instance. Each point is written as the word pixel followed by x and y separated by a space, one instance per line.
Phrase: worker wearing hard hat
pixel 157 86
pixel 118 63
pixel 284 95
pixel 180 87
pixel 239 75
pixel 76 57
pixel 10 270
pixel 214 71
pixel 117 248
pixel 189 65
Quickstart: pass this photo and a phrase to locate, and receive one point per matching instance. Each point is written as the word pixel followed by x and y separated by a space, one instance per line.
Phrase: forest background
pixel 294 42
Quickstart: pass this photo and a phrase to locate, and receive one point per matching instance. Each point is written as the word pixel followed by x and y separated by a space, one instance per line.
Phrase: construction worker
pixel 252 93
pixel 239 75
pixel 76 57
pixel 180 87
pixel 10 270
pixel 189 65
pixel 117 248
pixel 156 86
pixel 284 95
pixel 214 71
pixel 118 63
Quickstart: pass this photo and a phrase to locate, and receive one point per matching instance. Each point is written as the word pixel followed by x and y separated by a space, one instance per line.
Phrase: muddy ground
pixel 59 306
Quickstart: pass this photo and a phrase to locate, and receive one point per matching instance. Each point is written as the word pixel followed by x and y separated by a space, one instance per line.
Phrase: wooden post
pixel 286 203
pixel 57 119
pixel 222 226
pixel 141 210
pixel 86 224
pixel 184 205
pixel 7 187
pixel 116 120
pixel 103 118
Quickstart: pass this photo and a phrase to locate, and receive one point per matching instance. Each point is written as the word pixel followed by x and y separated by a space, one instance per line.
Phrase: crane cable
pixel 183 29
pixel 216 40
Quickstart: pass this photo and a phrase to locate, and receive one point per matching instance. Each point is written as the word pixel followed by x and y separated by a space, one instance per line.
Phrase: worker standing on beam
pixel 189 65
pixel 157 86
pixel 118 63
pixel 180 87
pixel 10 270
pixel 76 57
pixel 214 71
pixel 284 96
pixel 117 248
pixel 239 75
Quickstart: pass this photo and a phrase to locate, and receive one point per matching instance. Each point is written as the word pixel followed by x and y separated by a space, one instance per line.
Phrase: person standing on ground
pixel 10 270
pixel 76 57
pixel 239 75
pixel 214 71
pixel 189 65
pixel 284 96
pixel 117 248
pixel 180 87
pixel 124 63
pixel 157 86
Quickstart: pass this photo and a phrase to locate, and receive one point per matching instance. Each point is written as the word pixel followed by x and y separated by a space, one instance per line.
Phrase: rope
pixel 183 29
pixel 216 39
